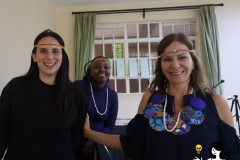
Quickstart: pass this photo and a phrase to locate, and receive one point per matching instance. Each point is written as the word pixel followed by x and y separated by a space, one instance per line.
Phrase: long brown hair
pixel 158 85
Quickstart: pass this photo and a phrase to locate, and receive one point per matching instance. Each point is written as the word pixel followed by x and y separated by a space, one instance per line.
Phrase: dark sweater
pixel 25 128
pixel 141 142
pixel 101 123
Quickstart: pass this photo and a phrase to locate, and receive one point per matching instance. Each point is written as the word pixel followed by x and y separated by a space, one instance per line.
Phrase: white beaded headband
pixel 174 51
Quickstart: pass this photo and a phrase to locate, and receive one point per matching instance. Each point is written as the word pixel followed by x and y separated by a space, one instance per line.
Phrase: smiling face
pixel 177 66
pixel 100 71
pixel 48 58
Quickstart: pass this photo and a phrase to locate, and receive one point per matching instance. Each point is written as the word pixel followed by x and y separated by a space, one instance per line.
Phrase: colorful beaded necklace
pixel 178 124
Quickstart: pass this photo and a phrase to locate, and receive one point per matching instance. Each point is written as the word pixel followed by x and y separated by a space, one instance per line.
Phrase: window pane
pixel 166 30
pixel 132 31
pixel 153 47
pixel 153 66
pixel 112 62
pixel 134 88
pixel 143 49
pixel 133 67
pixel 132 50
pixel 98 34
pixel 120 64
pixel 191 29
pixel 111 84
pixel 108 50
pixel 98 50
pixel 143 32
pixel 108 33
pixel 179 29
pixel 121 85
pixel 154 30
pixel 144 85
pixel 119 50
pixel 144 67
pixel 119 33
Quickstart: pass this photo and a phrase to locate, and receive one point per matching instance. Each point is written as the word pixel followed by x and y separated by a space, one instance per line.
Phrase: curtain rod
pixel 148 9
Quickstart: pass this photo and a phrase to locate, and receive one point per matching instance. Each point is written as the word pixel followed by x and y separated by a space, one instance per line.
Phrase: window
pixel 132 51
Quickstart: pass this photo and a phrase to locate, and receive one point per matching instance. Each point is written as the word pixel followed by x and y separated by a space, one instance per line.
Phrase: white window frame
pixel 125 41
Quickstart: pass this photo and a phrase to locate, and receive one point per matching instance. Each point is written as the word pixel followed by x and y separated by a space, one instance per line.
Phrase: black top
pixel 25 114
pixel 142 142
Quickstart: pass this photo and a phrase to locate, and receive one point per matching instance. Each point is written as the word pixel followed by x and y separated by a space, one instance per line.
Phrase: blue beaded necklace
pixel 178 124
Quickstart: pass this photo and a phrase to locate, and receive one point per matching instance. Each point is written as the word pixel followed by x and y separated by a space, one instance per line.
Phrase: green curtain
pixel 210 41
pixel 84 34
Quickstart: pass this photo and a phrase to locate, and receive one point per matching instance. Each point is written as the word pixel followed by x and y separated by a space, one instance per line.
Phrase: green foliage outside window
pixel 119 50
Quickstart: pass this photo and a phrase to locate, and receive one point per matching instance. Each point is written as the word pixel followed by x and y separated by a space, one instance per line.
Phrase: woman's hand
pixel 112 141
pixel 89 148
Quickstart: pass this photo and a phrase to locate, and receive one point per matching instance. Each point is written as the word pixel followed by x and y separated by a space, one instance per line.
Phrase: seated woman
pixel 102 104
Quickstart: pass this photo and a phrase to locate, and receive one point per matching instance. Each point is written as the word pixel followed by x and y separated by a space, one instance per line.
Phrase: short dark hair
pixel 218 146
pixel 87 67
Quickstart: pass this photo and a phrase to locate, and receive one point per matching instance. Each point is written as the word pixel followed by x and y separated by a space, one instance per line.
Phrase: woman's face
pixel 215 152
pixel 100 71
pixel 177 66
pixel 48 58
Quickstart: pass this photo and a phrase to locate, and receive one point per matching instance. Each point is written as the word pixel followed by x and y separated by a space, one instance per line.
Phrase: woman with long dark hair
pixel 42 113
pixel 102 104
pixel 179 116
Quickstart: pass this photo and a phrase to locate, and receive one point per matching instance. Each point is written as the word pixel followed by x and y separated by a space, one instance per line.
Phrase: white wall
pixel 229 33
pixel 20 22
pixel 228 22
pixel 228 25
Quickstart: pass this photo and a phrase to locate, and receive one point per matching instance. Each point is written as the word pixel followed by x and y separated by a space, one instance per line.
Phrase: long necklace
pixel 164 112
pixel 95 102
pixel 164 121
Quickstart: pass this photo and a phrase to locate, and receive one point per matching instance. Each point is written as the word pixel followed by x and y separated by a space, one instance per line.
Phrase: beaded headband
pixel 99 59
pixel 48 44
pixel 174 51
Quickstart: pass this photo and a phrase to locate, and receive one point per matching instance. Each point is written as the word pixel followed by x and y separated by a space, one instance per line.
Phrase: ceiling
pixel 68 3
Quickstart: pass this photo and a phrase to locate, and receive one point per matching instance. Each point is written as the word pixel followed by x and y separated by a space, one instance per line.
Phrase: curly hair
pixel 88 65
